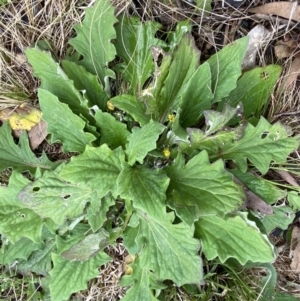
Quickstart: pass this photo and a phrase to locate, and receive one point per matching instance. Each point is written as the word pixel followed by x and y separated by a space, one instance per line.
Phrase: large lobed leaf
pixel 145 187
pixel 261 145
pixel 19 156
pixel 199 188
pixel 94 37
pixel 51 197
pixel 97 168
pixel 143 140
pixel 234 237
pixel 63 124
pixel 169 250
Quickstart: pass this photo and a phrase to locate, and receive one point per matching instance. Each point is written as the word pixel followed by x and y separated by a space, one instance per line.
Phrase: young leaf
pixel 68 277
pixel 97 168
pixel 94 37
pixel 184 65
pixel 226 68
pixel 267 191
pixel 54 80
pixel 63 124
pixel 169 250
pixel 142 140
pixel 132 106
pixel 87 83
pixel 145 187
pixel 133 44
pixel 261 145
pixel 200 188
pixel 141 284
pixel 283 216
pixel 217 120
pixel 19 156
pixel 113 132
pixel 16 220
pixel 253 90
pixel 233 237
pixel 197 97
pixel 51 197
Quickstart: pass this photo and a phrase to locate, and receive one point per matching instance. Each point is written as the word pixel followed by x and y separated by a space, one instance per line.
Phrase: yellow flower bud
pixel 171 117
pixel 110 106
pixel 166 152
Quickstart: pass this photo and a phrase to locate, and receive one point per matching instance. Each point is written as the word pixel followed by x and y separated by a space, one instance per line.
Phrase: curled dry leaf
pixel 258 36
pixel 288 10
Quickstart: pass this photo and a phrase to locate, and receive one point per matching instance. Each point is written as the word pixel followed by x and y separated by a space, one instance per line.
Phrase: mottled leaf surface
pixel 51 197
pixel 16 220
pixel 261 187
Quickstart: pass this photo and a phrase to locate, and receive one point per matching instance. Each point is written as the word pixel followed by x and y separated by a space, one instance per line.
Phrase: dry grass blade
pixel 24 23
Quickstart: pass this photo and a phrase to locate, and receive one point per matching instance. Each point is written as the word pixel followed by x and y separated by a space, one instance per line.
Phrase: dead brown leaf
pixel 253 201
pixel 295 250
pixel 282 51
pixel 37 134
pixel 288 10
pixel 293 73
pixel 287 177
